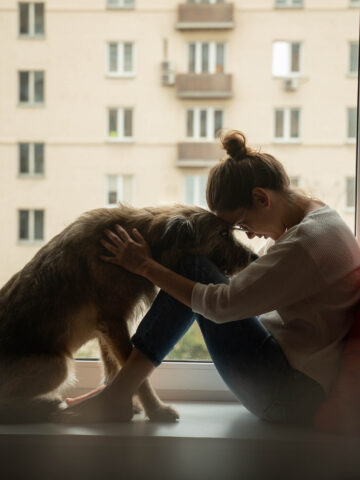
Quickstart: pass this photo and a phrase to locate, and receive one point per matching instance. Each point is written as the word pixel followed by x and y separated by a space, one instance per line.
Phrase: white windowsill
pixel 31 37
pixel 120 75
pixel 120 140
pixel 210 442
pixel 172 380
pixel 31 176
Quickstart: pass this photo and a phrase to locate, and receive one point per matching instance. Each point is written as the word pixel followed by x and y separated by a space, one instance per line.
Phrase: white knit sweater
pixel 305 289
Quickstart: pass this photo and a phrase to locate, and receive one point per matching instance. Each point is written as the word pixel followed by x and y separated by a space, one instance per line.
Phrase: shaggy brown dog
pixel 66 295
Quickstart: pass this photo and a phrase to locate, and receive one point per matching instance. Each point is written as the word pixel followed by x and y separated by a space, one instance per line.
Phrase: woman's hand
pixel 130 253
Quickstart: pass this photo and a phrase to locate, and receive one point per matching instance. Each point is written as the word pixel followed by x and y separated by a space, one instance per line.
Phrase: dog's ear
pixel 179 231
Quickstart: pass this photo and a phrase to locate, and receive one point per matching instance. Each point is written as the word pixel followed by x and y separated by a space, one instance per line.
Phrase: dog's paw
pixel 164 413
pixel 136 406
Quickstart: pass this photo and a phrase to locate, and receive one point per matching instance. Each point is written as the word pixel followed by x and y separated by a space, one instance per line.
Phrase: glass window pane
pixel 280 60
pixel 113 127
pixel 113 57
pixel 38 224
pixel 205 58
pixel 354 57
pixel 295 57
pixel 218 121
pixel 39 158
pixel 220 57
pixel 202 191
pixel 39 87
pixel 23 224
pixel 350 191
pixel 112 189
pixel 24 158
pixel 190 123
pixel 24 18
pixel 351 123
pixel 189 189
pixel 128 119
pixel 128 189
pixel 128 57
pixel 39 18
pixel 192 49
pixel 24 86
pixel 203 123
pixel 294 123
pixel 279 123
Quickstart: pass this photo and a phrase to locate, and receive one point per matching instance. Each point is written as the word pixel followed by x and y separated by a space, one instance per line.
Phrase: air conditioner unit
pixel 291 84
pixel 167 73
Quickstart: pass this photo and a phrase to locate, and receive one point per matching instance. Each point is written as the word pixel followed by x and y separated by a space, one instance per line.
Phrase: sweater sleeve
pixel 285 275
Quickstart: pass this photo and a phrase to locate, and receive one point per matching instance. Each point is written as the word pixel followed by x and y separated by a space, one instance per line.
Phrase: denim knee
pixel 200 269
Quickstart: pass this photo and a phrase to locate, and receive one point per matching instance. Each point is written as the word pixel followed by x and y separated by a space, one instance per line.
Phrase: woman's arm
pixel 134 255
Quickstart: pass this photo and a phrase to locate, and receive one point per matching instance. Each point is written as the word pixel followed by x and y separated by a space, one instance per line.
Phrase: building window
pixel 206 57
pixel 31 225
pixel 126 4
pixel 120 59
pixel 119 188
pixel 351 124
pixel 121 124
pixel 295 181
pixel 31 19
pixel 31 159
pixel 286 59
pixel 203 123
pixel 350 192
pixel 31 88
pixel 289 3
pixel 205 1
pixel 287 124
pixel 354 3
pixel 195 190
pixel 354 58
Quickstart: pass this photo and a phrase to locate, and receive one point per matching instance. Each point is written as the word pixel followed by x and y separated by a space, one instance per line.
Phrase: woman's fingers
pixel 109 246
pixel 138 236
pixel 124 236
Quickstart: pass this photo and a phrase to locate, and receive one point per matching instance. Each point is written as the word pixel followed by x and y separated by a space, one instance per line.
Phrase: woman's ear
pixel 261 197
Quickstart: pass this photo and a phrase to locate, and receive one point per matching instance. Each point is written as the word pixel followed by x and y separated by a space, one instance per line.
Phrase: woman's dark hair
pixel 231 181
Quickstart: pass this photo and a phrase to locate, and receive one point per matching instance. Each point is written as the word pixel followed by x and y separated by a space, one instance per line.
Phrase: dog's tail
pixel 20 410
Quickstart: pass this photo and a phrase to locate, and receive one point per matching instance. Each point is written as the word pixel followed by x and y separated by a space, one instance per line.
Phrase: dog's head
pixel 199 232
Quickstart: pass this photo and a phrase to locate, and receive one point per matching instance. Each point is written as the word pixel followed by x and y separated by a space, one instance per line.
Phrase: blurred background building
pixel 119 100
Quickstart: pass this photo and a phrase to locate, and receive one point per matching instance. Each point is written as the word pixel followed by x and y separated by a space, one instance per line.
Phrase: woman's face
pixel 263 219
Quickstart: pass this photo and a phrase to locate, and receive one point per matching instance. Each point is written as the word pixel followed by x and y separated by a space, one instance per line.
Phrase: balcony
pixel 198 154
pixel 204 85
pixel 202 16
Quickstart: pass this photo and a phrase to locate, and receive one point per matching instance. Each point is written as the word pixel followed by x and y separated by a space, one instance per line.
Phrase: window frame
pixel 31 240
pixel 289 73
pixel 286 139
pixel 198 177
pixel 31 173
pixel 120 73
pixel 120 5
pixel 348 113
pixel 120 125
pixel 199 56
pixel 353 73
pixel 210 123
pixel 32 34
pixel 288 4
pixel 31 102
pixel 119 189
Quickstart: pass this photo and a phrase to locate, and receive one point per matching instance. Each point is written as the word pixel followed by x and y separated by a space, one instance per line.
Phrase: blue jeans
pixel 246 355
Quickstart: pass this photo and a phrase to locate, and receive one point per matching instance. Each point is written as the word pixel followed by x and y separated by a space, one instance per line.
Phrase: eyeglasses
pixel 241 227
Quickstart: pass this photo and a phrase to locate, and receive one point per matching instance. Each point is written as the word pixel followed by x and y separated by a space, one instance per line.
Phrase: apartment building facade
pixel 120 100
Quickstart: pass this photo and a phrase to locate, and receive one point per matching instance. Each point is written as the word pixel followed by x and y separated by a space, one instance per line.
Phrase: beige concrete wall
pixel 73 121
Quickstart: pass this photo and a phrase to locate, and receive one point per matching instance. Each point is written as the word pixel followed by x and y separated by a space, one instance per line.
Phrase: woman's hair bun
pixel 234 143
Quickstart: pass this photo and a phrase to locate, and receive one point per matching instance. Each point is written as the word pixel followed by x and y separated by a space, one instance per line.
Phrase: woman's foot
pixel 71 401
pixel 102 407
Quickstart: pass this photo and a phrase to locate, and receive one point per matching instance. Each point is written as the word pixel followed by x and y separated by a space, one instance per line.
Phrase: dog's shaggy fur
pixel 66 295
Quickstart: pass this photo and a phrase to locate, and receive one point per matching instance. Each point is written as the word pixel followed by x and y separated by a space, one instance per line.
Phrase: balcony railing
pixel 199 16
pixel 198 154
pixel 204 85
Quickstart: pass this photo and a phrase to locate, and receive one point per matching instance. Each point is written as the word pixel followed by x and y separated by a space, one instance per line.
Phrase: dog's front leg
pixel 155 409
pixel 118 341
